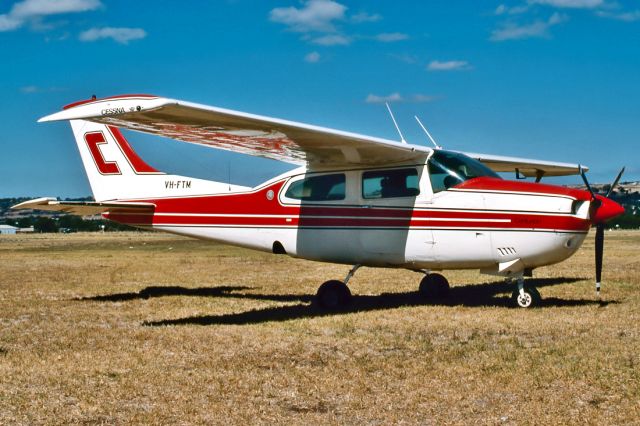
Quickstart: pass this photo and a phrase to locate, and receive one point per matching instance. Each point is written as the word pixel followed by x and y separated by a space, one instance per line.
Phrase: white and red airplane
pixel 355 199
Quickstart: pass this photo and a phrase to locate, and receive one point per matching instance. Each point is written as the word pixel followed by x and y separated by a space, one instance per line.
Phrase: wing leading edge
pixel 282 140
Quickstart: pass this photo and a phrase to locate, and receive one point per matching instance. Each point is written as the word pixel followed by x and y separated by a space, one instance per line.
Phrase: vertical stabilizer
pixel 116 172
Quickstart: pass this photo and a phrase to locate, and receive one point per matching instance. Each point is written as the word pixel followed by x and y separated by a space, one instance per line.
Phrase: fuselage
pixel 408 216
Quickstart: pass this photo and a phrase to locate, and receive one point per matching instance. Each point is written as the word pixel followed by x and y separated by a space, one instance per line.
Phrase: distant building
pixel 28 230
pixel 7 229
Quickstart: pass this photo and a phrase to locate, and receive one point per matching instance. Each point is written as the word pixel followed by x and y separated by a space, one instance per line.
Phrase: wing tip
pixel 32 204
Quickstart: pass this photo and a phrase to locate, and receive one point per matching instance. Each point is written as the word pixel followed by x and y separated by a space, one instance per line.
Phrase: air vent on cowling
pixel 506 251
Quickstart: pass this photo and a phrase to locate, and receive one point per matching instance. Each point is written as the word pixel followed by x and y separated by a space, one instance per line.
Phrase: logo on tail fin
pixel 93 139
pixel 96 138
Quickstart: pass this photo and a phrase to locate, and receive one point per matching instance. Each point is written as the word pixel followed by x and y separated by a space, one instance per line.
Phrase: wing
pixel 527 167
pixel 84 208
pixel 256 135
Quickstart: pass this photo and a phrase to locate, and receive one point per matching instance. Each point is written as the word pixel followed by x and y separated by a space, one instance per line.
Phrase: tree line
pixel 67 223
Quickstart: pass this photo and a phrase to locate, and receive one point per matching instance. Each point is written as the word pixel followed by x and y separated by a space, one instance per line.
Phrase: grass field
pixel 149 328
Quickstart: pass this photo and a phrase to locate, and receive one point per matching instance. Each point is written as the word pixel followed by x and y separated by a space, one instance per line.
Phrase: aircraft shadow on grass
pixel 473 295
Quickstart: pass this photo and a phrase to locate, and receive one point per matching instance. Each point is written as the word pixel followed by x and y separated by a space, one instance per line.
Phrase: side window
pixel 390 183
pixel 318 188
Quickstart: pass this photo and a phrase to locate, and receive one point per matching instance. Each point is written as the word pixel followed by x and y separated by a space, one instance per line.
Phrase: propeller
pixel 599 220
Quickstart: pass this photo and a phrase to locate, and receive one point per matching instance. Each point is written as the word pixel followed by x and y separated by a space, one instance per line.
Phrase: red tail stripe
pixel 138 164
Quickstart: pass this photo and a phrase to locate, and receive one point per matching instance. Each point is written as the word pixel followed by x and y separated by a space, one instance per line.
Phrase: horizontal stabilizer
pixel 83 208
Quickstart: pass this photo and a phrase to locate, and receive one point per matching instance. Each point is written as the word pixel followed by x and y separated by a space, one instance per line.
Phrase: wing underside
pixel 282 140
pixel 240 132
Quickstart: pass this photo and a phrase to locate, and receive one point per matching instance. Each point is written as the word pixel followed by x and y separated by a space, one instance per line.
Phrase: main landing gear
pixel 335 294
pixel 434 286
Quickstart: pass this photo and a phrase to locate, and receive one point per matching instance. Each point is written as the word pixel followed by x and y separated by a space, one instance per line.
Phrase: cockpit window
pixel 447 169
pixel 318 188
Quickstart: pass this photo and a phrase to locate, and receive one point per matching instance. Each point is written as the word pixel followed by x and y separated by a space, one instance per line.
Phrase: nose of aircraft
pixel 607 210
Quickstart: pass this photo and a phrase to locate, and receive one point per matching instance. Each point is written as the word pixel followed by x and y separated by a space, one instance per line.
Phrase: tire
pixel 434 286
pixel 333 295
pixel 530 299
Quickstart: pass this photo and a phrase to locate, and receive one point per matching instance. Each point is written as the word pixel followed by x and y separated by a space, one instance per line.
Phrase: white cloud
pixel 120 35
pixel 312 57
pixel 448 66
pixel 422 98
pixel 405 57
pixel 375 99
pixel 35 89
pixel 506 10
pixel 391 37
pixel 397 97
pixel 33 10
pixel 314 16
pixel 623 16
pixel 570 4
pixel 359 18
pixel 512 31
pixel 331 40
pixel 30 89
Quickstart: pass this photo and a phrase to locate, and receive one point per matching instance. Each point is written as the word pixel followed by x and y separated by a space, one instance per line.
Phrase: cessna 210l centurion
pixel 355 199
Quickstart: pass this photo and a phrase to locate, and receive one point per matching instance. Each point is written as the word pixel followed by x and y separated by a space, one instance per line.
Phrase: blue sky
pixel 548 79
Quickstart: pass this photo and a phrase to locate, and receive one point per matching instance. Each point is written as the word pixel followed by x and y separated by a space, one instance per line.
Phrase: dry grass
pixel 150 328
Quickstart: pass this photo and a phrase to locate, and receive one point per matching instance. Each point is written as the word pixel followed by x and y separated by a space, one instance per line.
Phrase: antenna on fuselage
pixel 394 123
pixel 427 132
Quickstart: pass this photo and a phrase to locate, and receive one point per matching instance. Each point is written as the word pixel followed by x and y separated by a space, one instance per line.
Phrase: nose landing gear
pixel 525 296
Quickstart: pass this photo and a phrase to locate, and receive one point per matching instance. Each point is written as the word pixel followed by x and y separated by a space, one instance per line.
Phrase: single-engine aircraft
pixel 354 199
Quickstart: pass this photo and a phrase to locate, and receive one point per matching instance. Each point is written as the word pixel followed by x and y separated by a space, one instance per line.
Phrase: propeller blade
pixel 599 244
pixel 586 182
pixel 615 182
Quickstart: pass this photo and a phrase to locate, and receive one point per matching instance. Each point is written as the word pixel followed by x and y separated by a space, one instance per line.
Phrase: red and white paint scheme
pixel 354 199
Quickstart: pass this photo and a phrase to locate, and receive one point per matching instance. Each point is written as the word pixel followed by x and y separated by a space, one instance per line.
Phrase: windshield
pixel 448 169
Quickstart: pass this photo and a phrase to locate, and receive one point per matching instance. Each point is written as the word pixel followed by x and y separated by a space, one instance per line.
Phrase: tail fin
pixel 116 172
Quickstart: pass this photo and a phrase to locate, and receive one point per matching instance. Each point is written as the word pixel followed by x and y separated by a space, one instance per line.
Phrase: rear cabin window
pixel 318 188
pixel 390 183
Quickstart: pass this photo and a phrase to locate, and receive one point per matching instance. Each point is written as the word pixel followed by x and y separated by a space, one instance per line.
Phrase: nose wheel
pixel 434 286
pixel 525 296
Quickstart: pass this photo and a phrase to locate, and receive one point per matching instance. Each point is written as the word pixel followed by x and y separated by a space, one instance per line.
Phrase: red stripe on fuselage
pixel 256 210
pixel 490 184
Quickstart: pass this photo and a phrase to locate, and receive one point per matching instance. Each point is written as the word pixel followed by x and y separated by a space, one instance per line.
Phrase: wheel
pixel 434 286
pixel 333 294
pixel 529 299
